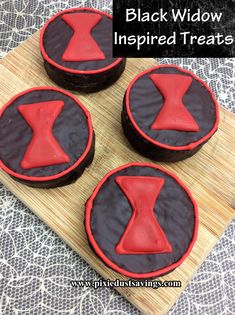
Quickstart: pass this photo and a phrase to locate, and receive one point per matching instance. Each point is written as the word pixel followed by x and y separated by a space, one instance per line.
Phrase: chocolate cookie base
pixel 85 82
pixel 67 179
pixel 150 150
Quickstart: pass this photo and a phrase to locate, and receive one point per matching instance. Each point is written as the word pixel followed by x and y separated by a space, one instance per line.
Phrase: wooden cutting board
pixel 209 175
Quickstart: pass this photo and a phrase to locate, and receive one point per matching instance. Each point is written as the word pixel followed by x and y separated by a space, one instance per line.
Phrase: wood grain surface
pixel 209 174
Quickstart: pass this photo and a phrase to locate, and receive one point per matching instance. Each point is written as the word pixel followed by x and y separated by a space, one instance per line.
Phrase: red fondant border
pixel 165 146
pixel 102 255
pixel 53 63
pixel 82 157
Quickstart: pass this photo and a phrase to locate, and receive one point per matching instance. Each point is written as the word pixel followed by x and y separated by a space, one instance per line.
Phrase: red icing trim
pixel 43 150
pixel 176 148
pixel 72 167
pixel 143 234
pixel 53 63
pixel 82 46
pixel 101 254
pixel 173 114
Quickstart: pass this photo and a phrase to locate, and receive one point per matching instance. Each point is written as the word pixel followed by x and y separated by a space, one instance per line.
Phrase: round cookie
pixel 169 113
pixel 76 45
pixel 141 220
pixel 47 138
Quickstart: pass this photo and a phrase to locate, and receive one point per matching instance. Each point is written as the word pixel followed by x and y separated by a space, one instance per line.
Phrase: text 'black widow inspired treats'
pixel 76 45
pixel 141 220
pixel 169 113
pixel 47 138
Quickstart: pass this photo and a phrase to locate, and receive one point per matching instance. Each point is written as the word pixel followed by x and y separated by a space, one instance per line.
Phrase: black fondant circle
pixel 146 101
pixel 110 212
pixel 58 34
pixel 70 129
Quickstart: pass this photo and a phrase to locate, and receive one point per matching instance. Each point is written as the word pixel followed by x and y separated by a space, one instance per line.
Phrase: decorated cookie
pixel 76 45
pixel 169 113
pixel 141 220
pixel 47 139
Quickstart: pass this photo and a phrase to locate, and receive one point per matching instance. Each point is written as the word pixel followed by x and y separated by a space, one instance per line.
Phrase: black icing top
pixel 70 129
pixel 57 35
pixel 146 102
pixel 111 212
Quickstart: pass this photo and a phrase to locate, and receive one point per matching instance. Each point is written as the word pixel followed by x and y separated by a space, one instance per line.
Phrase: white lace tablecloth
pixel 36 265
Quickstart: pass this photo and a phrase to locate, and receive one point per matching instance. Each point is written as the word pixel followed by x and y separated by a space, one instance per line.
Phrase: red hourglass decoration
pixel 43 150
pixel 173 114
pixel 143 234
pixel 82 46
